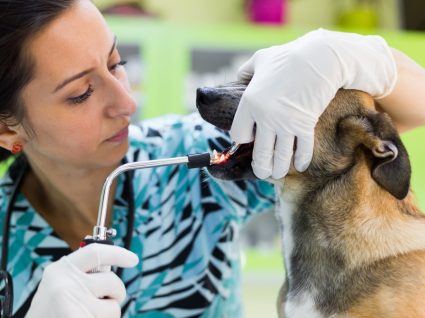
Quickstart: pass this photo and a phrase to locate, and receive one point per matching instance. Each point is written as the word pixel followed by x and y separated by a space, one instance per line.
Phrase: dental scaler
pixel 103 235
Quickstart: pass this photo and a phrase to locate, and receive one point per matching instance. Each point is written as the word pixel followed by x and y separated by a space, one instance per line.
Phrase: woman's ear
pixel 9 137
pixel 390 164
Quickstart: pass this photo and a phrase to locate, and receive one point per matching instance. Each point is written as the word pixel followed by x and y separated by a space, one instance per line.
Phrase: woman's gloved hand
pixel 292 84
pixel 67 290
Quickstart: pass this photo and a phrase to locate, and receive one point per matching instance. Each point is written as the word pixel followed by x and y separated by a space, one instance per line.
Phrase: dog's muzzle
pixel 218 105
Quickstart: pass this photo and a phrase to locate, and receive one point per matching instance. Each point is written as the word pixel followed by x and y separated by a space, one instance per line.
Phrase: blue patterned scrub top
pixel 186 228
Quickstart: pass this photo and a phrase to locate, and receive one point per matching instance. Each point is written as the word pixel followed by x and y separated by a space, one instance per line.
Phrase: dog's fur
pixel 353 239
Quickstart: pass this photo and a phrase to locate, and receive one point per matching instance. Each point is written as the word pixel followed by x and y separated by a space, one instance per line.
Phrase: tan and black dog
pixel 353 239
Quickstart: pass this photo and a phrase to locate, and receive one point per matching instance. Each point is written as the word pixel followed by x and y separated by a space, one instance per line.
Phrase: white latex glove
pixel 67 290
pixel 291 86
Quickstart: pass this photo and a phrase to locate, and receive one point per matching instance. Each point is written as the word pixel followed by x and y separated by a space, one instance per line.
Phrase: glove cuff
pixel 392 67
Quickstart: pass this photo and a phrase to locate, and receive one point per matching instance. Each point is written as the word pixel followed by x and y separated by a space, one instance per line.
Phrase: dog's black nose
pixel 206 96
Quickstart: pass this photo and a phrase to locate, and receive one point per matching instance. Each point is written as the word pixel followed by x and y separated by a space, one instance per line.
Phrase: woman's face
pixel 78 104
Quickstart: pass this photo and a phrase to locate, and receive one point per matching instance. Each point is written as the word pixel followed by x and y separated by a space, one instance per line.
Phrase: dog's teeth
pixel 216 157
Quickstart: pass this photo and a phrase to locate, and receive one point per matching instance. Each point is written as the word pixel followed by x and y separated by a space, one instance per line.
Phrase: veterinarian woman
pixel 65 107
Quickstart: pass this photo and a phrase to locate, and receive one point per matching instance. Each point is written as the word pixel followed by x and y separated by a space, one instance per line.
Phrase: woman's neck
pixel 68 198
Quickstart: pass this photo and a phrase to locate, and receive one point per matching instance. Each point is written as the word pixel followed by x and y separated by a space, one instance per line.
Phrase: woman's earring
pixel 16 148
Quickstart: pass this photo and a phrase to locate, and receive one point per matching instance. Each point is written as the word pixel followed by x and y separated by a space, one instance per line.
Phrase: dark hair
pixel 20 21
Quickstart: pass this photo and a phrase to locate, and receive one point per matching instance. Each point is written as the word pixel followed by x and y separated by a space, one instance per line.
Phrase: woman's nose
pixel 121 101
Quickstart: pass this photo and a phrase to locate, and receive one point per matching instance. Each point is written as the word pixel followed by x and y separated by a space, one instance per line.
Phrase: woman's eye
pixel 82 98
pixel 115 66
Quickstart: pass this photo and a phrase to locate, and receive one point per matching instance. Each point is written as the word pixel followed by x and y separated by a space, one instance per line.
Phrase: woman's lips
pixel 120 136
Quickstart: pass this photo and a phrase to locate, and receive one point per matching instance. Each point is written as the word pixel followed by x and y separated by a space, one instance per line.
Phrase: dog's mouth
pixel 233 165
pixel 218 105
pixel 229 165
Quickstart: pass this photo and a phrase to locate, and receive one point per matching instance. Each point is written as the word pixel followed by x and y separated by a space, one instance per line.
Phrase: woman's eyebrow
pixel 83 73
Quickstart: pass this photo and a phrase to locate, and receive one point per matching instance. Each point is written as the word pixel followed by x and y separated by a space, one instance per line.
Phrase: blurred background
pixel 173 47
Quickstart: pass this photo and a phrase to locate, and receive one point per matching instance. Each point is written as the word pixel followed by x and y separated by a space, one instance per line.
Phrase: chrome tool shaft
pixel 100 231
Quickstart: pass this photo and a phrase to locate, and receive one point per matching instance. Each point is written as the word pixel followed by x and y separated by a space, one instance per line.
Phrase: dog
pixel 353 239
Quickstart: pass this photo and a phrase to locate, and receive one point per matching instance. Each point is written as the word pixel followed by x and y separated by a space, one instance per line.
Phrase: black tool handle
pixel 90 240
pixel 199 160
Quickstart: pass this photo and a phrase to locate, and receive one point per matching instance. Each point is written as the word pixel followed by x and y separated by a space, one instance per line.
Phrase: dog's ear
pixel 390 164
